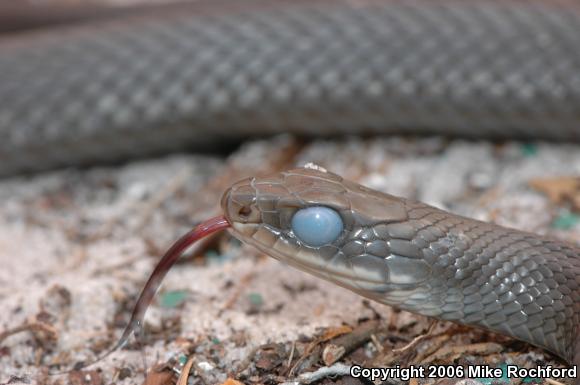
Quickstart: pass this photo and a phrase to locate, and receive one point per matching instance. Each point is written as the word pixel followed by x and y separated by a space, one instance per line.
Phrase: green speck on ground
pixel 173 298
pixel 256 299
pixel 566 221
pixel 214 257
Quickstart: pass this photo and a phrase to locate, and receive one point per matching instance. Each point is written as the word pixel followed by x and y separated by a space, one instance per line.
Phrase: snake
pixel 203 74
pixel 402 253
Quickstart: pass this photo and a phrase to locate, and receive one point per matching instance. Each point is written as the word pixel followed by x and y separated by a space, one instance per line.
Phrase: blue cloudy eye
pixel 317 225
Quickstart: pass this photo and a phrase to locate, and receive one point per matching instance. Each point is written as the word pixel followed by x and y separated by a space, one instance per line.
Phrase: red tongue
pixel 169 258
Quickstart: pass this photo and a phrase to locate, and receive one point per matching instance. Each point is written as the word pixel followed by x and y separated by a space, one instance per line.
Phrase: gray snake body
pixel 198 75
pixel 116 89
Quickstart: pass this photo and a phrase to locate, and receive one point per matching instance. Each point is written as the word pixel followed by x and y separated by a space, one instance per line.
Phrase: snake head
pixel 331 228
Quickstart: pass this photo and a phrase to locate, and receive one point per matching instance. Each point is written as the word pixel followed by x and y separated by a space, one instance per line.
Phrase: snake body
pixel 213 71
pixel 419 258
pixel 199 74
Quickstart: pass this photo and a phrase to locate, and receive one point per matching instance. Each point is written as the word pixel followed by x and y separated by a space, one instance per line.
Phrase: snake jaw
pixel 339 270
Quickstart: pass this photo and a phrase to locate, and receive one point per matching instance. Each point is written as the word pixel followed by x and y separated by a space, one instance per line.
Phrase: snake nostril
pixel 244 212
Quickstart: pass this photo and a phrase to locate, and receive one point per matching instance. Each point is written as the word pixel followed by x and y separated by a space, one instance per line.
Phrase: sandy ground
pixel 77 245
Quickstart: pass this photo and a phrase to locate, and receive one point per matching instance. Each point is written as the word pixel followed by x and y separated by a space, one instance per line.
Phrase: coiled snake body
pixel 489 68
pixel 220 70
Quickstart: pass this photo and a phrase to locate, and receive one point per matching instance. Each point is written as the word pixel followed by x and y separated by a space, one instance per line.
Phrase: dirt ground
pixel 76 246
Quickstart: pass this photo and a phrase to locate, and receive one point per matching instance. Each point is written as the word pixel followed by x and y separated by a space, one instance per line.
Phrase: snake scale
pixel 197 75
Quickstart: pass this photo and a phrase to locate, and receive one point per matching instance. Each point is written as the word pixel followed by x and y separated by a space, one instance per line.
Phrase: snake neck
pixel 510 282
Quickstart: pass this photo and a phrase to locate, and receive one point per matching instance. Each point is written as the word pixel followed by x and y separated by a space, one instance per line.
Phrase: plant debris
pixel 42 332
pixel 160 376
pixel 85 377
pixel 563 190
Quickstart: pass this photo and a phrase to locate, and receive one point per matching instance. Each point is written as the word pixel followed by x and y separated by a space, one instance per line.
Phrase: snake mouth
pixel 338 269
pixel 351 277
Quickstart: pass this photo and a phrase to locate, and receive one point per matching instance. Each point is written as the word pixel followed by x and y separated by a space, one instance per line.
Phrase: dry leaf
pixel 334 332
pixel 559 190
pixel 231 381
pixel 154 377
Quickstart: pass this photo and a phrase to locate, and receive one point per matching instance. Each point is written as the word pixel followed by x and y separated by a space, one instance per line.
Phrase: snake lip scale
pixel 419 258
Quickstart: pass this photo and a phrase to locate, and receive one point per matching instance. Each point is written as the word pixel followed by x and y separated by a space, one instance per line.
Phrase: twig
pixel 291 354
pixel 348 342
pixel 455 351
pixel 184 375
pixel 417 339
pixel 389 357
pixel 436 343
pixel 33 327
pixel 338 369
pixel 312 353
pixel 377 343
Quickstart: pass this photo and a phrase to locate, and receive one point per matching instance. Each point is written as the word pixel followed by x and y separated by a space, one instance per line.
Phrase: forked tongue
pixel 167 261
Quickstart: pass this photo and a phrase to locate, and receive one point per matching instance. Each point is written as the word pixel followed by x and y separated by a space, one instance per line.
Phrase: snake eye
pixel 317 225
